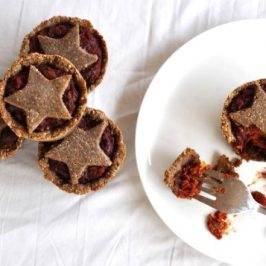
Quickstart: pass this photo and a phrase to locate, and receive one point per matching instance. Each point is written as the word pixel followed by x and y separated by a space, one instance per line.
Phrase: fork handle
pixel 261 210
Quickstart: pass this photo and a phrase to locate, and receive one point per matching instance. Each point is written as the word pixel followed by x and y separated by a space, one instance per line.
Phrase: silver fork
pixel 229 195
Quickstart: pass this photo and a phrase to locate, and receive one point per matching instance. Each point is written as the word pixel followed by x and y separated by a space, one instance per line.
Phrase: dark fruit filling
pixel 243 99
pixel 60 169
pixel 225 166
pixel 19 81
pixel 90 41
pixel 250 141
pixel 259 197
pixel 8 139
pixel 187 182
pixel 236 162
pixel 92 173
pixel 218 224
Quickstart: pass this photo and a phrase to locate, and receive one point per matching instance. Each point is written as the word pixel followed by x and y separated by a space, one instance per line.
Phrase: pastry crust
pixel 225 120
pixel 6 153
pixel 250 121
pixel 186 156
pixel 97 184
pixel 60 62
pixel 24 50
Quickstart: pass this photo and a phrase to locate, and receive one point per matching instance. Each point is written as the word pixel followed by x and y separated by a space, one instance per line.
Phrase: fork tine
pixel 215 174
pixel 210 191
pixel 211 181
pixel 205 200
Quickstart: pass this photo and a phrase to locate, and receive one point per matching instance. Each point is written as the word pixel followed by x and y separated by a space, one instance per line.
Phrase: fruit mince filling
pixel 250 142
pixel 187 182
pixel 8 139
pixel 218 224
pixel 92 173
pixel 89 41
pixel 19 81
pixel 227 167
pixel 259 197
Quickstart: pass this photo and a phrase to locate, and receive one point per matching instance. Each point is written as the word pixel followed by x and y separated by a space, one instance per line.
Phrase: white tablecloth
pixel 39 224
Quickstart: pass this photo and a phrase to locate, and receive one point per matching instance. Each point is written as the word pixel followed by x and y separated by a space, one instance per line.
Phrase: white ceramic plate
pixel 182 109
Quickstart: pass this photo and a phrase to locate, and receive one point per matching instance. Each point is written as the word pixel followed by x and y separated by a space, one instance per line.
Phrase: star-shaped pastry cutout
pixel 69 47
pixel 41 98
pixel 79 150
pixel 255 115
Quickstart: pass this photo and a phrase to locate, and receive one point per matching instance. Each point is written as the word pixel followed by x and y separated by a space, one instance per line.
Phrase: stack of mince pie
pixel 43 97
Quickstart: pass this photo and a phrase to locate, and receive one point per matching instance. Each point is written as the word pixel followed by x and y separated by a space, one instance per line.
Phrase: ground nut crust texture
pixel 90 40
pixel 105 174
pixel 42 134
pixel 243 120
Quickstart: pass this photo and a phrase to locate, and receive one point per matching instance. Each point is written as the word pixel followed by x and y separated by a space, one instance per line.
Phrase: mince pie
pixel 42 97
pixel 9 142
pixel 184 176
pixel 244 120
pixel 87 158
pixel 73 38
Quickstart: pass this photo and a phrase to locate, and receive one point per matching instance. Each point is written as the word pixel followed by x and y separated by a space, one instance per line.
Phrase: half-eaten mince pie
pixel 42 97
pixel 73 38
pixel 9 142
pixel 184 176
pixel 244 120
pixel 87 158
